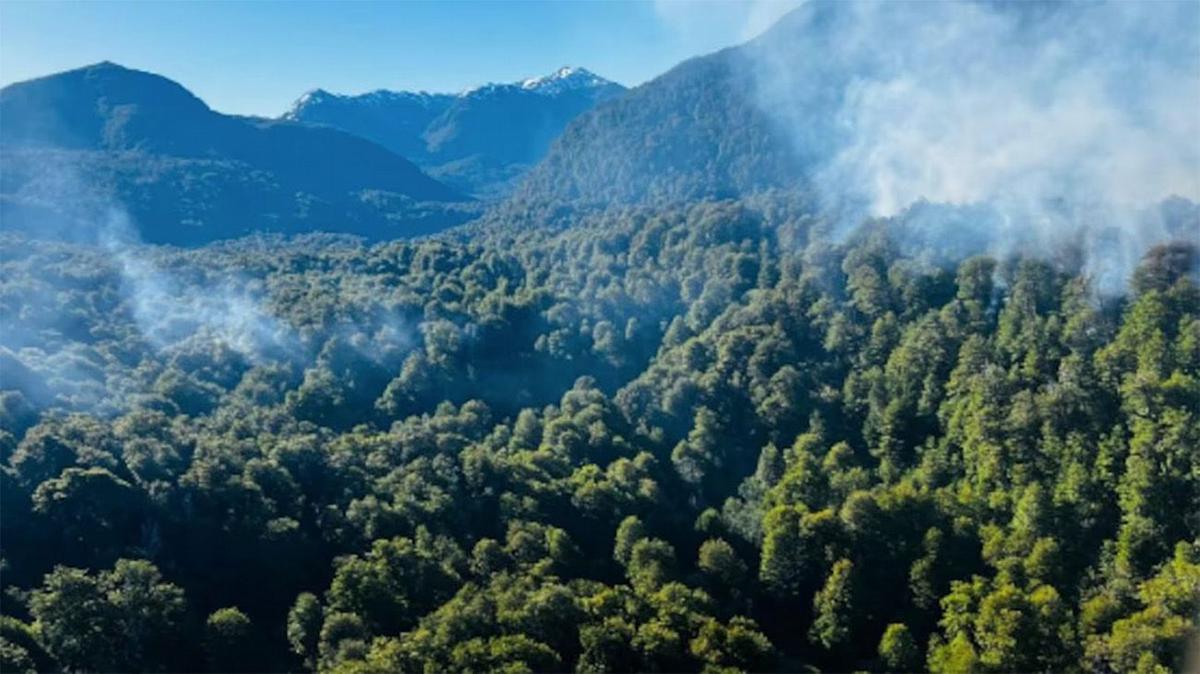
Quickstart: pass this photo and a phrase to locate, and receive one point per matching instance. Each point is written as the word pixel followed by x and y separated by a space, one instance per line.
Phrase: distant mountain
pixel 898 101
pixel 695 131
pixel 79 145
pixel 480 141
pixel 704 129
pixel 393 119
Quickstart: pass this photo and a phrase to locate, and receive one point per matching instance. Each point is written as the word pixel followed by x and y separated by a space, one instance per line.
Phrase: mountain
pixel 744 119
pixel 116 139
pixel 393 119
pixel 693 132
pixel 884 103
pixel 480 141
pixel 748 118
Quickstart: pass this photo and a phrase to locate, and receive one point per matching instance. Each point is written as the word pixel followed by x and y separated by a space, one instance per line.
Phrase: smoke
pixel 171 309
pixel 83 280
pixel 172 305
pixel 1056 123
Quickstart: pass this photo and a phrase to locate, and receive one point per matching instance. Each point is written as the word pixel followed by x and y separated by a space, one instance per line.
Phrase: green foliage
pixel 997 626
pixel 629 533
pixel 395 583
pixel 228 641
pixel 1151 638
pixel 651 563
pixel 20 648
pixel 304 622
pixel 658 439
pixel 833 606
pixel 720 561
pixel 793 551
pixel 897 649
pixel 738 646
pixel 123 619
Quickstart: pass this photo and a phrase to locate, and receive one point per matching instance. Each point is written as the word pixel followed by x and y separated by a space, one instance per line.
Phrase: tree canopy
pixel 703 438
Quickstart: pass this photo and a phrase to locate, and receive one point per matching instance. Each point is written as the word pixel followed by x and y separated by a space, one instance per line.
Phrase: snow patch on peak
pixel 312 95
pixel 562 73
pixel 563 79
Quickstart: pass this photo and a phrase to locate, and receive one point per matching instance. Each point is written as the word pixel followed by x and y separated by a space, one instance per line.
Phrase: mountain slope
pixel 692 132
pixel 718 125
pixel 393 119
pixel 887 103
pixel 117 137
pixel 479 141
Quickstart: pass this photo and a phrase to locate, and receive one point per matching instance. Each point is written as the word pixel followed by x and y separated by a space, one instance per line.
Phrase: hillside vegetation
pixel 706 438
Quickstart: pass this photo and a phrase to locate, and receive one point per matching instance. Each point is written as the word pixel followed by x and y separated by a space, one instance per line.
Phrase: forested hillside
pixel 710 437
pixel 81 144
pixel 872 344
pixel 694 132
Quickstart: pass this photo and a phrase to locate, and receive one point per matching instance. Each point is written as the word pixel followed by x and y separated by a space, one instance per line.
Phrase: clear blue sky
pixel 257 57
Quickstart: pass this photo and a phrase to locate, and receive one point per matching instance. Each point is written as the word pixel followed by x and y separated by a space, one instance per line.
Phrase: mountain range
pixel 79 145
pixel 481 141
pixel 848 101
pixel 888 103
pixel 109 144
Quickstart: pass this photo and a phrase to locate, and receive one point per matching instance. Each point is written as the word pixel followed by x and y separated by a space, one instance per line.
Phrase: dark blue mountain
pixel 480 141
pixel 394 119
pixel 79 144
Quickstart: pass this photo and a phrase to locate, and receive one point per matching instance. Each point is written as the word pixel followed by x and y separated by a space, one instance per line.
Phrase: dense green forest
pixel 709 438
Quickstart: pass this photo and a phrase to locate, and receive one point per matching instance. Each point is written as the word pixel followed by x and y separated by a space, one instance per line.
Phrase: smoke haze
pixel 1067 120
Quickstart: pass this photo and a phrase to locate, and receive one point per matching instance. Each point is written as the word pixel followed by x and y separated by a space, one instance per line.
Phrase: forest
pixel 713 437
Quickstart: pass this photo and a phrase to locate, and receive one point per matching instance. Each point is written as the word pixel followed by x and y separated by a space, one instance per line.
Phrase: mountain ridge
pixel 573 77
pixel 719 145
pixel 481 140
pixel 850 103
pixel 144 141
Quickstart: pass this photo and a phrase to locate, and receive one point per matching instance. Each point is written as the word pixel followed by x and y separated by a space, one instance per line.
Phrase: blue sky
pixel 257 57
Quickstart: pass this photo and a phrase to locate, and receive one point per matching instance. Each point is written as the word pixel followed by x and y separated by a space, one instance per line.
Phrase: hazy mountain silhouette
pixel 480 141
pixel 81 143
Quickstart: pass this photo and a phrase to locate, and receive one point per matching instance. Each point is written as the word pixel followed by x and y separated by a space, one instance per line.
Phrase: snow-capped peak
pixel 563 79
pixel 567 78
pixel 312 95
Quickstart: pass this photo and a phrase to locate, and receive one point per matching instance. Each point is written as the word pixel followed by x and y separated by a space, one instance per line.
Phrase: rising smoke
pixel 170 309
pixel 1050 123
pixel 171 306
pixel 175 301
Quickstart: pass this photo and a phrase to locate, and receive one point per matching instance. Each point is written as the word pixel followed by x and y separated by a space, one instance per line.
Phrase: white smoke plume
pixel 1068 121
pixel 170 309
pixel 177 302
pixel 173 306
